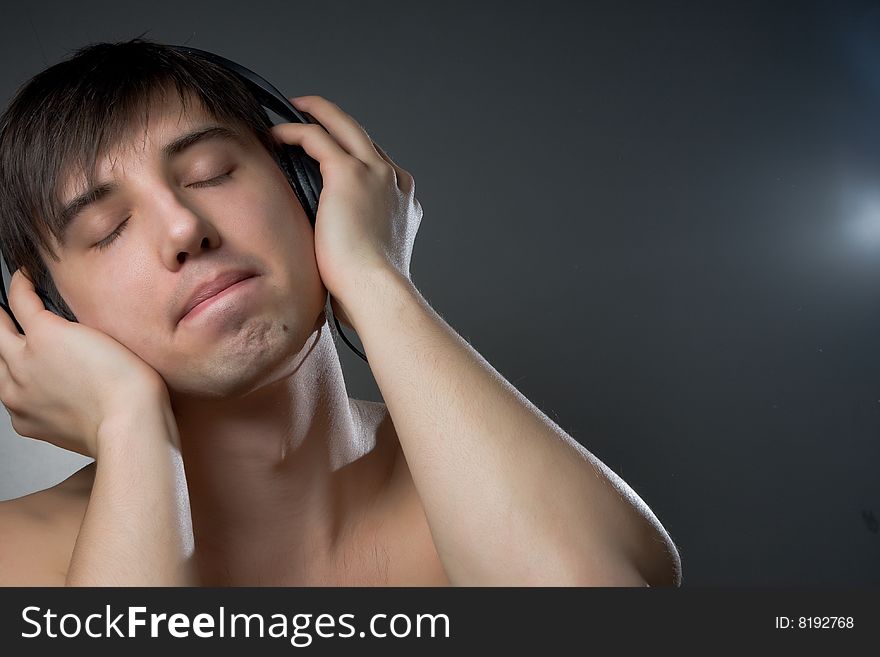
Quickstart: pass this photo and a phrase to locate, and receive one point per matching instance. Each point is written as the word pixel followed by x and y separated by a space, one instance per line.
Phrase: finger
pixel 10 392
pixel 348 132
pixel 8 342
pixel 315 141
pixel 9 335
pixel 5 374
pixel 404 179
pixel 23 299
pixel 384 155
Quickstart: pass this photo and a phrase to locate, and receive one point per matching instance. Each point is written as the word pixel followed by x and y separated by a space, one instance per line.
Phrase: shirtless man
pixel 227 449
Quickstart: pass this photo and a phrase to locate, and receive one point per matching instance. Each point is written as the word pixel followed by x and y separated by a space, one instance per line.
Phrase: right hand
pixel 62 379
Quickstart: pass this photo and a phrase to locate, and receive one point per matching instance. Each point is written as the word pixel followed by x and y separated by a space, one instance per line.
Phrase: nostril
pixel 205 244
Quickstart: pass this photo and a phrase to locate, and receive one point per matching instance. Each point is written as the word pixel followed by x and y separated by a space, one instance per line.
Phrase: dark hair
pixel 63 119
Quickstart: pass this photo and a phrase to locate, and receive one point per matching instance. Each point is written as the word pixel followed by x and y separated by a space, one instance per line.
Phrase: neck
pixel 267 472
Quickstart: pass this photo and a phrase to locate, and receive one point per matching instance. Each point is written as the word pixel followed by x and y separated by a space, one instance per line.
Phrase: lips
pixel 214 286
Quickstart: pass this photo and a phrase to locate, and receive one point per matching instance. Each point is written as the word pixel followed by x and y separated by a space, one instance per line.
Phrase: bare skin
pixel 390 545
pixel 287 483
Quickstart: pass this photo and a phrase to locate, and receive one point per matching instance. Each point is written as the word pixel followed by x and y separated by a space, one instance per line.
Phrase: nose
pixel 186 231
pixel 204 246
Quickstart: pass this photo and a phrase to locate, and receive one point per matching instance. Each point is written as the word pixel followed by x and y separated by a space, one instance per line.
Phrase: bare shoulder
pixel 39 531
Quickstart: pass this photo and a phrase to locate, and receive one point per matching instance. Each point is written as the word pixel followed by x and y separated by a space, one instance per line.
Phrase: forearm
pixel 136 530
pixel 509 496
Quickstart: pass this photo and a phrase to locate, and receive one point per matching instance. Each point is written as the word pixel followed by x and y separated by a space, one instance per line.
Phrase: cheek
pixel 280 225
pixel 119 299
pixel 289 252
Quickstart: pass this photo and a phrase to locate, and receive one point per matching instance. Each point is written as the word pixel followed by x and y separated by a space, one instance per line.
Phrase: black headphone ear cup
pixel 296 165
pixel 310 166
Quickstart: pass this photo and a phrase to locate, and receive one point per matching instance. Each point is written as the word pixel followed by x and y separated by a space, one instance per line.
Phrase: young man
pixel 137 183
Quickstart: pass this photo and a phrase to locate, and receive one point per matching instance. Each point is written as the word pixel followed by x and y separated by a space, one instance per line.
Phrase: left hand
pixel 368 215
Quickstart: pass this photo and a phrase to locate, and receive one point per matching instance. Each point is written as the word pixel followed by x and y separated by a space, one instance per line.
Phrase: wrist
pixel 372 292
pixel 139 416
pixel 133 395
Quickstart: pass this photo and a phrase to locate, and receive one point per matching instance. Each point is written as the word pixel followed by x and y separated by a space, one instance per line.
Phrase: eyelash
pixel 211 182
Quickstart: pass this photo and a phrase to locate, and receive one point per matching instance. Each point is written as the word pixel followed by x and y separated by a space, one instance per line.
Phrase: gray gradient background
pixel 660 221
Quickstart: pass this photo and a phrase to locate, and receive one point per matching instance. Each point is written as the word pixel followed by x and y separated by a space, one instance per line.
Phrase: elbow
pixel 653 553
pixel 657 564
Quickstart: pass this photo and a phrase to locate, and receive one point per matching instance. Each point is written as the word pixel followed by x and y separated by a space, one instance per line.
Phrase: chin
pixel 267 353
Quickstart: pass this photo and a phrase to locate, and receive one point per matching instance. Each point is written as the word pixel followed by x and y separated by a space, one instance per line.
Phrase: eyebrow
pixel 77 205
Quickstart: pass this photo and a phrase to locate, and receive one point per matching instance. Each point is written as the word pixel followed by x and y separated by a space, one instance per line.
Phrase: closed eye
pixel 216 180
pixel 211 182
pixel 107 241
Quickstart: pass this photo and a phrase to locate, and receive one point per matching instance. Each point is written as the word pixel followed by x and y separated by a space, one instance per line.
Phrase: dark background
pixel 659 221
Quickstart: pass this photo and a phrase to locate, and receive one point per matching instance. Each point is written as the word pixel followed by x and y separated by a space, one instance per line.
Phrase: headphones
pixel 302 171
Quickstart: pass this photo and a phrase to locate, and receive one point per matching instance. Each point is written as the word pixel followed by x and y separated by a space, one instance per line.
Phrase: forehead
pixel 142 134
pixel 162 120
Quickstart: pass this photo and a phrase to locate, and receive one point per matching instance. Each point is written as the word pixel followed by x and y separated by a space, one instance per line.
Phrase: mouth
pixel 210 294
